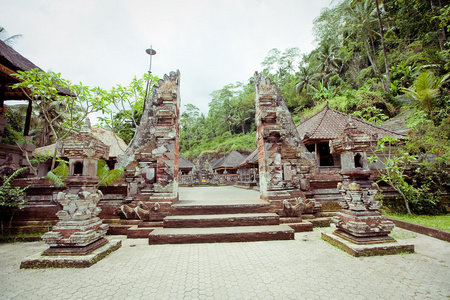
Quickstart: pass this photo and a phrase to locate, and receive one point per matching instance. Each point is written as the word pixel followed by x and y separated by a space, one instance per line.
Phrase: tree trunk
pixel 373 60
pixel 441 37
pixel 386 82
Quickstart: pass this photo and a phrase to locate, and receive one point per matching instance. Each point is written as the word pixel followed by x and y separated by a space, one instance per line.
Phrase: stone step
pixel 222 220
pixel 220 234
pixel 139 232
pixel 218 208
pixel 303 226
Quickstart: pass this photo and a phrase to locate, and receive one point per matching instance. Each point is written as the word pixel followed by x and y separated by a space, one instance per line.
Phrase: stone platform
pixel 220 234
pixel 39 261
pixel 218 215
pixel 372 249
pixel 256 270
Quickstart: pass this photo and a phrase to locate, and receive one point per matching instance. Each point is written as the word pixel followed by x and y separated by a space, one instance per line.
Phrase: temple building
pixel 328 124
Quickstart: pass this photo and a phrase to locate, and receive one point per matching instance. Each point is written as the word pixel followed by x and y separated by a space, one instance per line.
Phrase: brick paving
pixel 304 268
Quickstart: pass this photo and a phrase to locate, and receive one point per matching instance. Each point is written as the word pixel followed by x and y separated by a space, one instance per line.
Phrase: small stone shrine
pixel 361 228
pixel 79 232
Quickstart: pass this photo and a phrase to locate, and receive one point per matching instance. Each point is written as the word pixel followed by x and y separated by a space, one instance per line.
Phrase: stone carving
pixel 360 220
pixel 300 207
pixel 79 225
pixel 151 160
pixel 144 212
pixel 284 163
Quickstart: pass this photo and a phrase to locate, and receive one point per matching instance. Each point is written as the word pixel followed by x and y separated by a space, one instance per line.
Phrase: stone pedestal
pixel 79 230
pixel 361 228
pixel 360 220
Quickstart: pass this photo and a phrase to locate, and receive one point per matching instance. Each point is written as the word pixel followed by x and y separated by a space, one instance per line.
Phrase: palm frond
pixel 55 179
pixel 111 177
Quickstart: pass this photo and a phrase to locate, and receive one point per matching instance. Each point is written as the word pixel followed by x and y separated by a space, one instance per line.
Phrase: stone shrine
pixel 79 232
pixel 360 221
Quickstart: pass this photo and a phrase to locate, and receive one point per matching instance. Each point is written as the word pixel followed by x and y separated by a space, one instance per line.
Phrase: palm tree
pixel 9 40
pixel 386 81
pixel 360 24
pixel 306 76
pixel 425 90
pixel 326 57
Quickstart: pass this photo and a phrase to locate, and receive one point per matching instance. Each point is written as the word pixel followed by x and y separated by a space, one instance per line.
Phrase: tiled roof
pixel 183 163
pixel 328 124
pixel 233 159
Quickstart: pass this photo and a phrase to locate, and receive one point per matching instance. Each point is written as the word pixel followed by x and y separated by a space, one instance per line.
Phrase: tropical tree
pixel 386 81
pixel 49 89
pixel 9 40
pixel 127 104
pixel 425 91
pixel 306 76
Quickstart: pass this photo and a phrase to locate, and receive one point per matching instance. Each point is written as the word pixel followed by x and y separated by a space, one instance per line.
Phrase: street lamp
pixel 150 52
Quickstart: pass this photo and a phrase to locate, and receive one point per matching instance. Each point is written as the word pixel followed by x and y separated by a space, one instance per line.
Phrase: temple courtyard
pixel 304 268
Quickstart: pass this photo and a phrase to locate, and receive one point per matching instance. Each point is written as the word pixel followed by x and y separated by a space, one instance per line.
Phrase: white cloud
pixel 212 43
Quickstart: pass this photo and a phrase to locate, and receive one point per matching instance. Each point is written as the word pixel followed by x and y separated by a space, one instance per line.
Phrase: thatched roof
pixel 12 61
pixel 183 163
pixel 116 145
pixel 397 124
pixel 328 124
pixel 250 160
pixel 233 159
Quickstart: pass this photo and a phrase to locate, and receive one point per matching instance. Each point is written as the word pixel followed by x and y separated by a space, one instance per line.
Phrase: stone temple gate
pixel 151 161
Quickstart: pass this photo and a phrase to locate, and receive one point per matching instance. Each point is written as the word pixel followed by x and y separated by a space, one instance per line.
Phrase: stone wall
pixel 285 165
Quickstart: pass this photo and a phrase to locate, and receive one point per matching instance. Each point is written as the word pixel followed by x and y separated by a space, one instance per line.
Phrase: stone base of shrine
pixel 364 240
pixel 370 249
pixel 68 250
pixel 70 260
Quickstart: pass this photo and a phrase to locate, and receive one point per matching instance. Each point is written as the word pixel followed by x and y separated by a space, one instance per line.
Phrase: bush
pixel 11 199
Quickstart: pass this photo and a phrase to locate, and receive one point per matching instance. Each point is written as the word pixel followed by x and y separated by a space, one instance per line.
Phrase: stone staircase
pixel 218 222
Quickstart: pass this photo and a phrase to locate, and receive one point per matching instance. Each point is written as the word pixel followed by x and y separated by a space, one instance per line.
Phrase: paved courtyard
pixel 304 268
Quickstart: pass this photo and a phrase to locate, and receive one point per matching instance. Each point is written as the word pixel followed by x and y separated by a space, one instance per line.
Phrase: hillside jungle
pixel 375 61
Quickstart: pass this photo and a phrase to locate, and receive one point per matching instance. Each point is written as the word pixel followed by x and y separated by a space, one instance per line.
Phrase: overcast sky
pixel 212 43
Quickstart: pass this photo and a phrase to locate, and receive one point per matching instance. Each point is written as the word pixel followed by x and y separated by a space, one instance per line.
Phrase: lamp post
pixel 150 52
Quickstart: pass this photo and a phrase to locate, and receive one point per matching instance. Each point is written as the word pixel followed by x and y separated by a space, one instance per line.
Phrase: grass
pixel 439 222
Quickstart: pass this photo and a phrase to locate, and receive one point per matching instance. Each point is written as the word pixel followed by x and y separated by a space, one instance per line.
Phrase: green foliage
pixel 58 174
pixel 128 103
pixel 395 165
pixel 61 105
pixel 371 114
pixel 439 222
pixel 422 188
pixel 13 130
pixel 104 174
pixel 11 199
pixel 107 176
pixel 223 144
pixel 426 90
